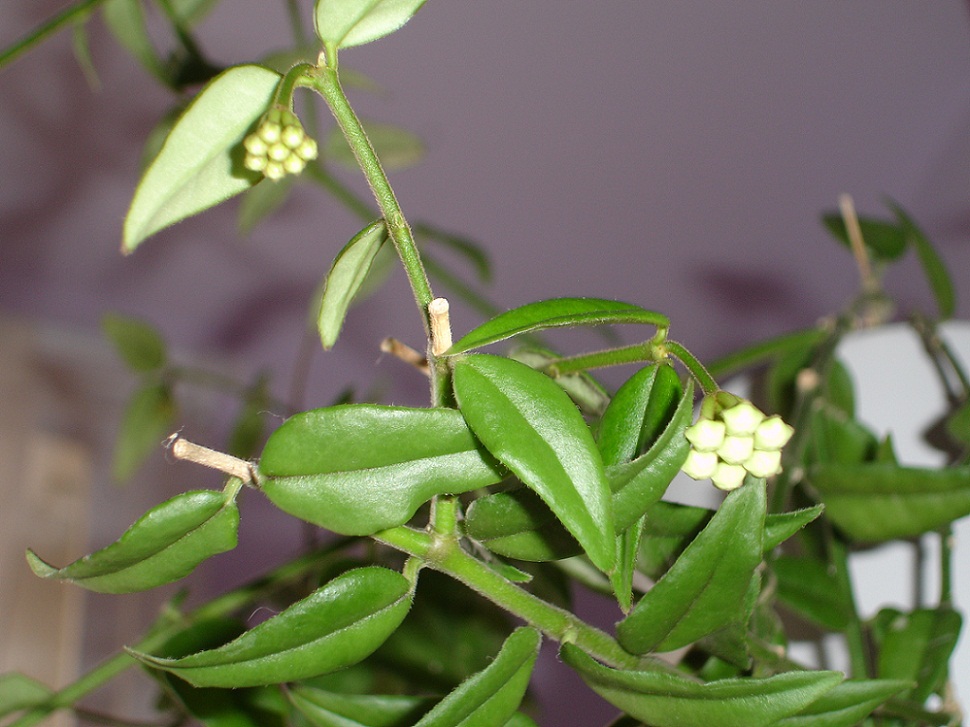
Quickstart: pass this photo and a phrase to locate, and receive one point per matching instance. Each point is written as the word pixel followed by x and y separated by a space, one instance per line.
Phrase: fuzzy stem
pixel 696 368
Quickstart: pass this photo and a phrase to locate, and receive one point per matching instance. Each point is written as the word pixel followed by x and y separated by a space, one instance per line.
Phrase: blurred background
pixel 674 155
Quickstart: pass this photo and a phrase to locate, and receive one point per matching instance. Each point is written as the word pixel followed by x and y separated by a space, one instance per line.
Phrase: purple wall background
pixel 676 155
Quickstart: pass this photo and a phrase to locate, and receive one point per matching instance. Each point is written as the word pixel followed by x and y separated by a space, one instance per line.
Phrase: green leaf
pixel 958 424
pixel 638 413
pixel 345 278
pixel 165 544
pixel 19 691
pixel 262 200
pixel 200 164
pixel 346 23
pixel 532 427
pixel 492 696
pixel 140 345
pixel 933 265
pixel 126 21
pixel 356 469
pixel 191 12
pixel 335 626
pixel 874 502
pixel 147 420
pixel 471 250
pixel 806 586
pixel 397 148
pixel 555 313
pixel 663 699
pixel 588 394
pixel 331 709
pixel 846 705
pixel 781 526
pixel 886 241
pixel 835 439
pixel 916 648
pixel 705 589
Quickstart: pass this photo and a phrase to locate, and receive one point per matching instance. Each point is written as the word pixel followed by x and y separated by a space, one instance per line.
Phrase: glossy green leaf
pixel 627 553
pixel 200 164
pixel 916 648
pixel 492 696
pixel 349 269
pixel 705 589
pixel 808 587
pixel 639 484
pixel 588 394
pixel 781 526
pixel 345 23
pixel 532 427
pixel 885 240
pixel 356 469
pixel 881 501
pixel 555 313
pixel 846 705
pixel 126 21
pixel 140 345
pixel 147 420
pixel 638 413
pixel 518 524
pixel 663 699
pixel 332 628
pixel 668 528
pixel 331 709
pixel 397 148
pixel 262 200
pixel 165 544
pixel 933 265
pixel 19 692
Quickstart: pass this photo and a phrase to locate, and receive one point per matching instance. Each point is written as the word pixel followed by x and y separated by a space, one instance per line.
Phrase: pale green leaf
pixel 397 148
pixel 345 23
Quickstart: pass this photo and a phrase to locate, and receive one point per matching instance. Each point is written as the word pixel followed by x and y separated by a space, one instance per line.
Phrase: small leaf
pixel 638 413
pixel 885 240
pixel 588 394
pixel 147 420
pixel 126 21
pixel 332 628
pixel 346 23
pixel 846 705
pixel 331 709
pixel 518 524
pixel 958 424
pixel 200 164
pixel 164 545
pixel 492 696
pixel 781 526
pixel 555 313
pixel 806 586
pixel 397 148
pixel 261 201
pixel 191 12
pixel 532 427
pixel 472 251
pixel 19 691
pixel 875 502
pixel 933 265
pixel 140 345
pixel 345 278
pixel 356 469
pixel 705 589
pixel 663 699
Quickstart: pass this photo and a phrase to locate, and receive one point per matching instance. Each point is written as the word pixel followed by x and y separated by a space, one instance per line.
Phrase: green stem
pixel 764 351
pixel 854 632
pixel 218 607
pixel 696 368
pixel 601 359
pixel 48 28
pixel 946 567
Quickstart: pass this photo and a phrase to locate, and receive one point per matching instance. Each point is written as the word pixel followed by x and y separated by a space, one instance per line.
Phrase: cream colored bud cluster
pixel 729 442
pixel 279 146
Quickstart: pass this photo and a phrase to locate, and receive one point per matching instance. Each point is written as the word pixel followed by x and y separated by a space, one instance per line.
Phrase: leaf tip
pixel 38 565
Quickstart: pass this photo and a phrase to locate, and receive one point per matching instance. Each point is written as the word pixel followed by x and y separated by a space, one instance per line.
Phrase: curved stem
pixel 696 368
pixel 48 28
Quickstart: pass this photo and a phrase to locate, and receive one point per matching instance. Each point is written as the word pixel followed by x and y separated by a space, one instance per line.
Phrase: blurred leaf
pixel 262 200
pixel 933 265
pixel 345 278
pixel 335 626
pixel 532 427
pixel 397 148
pixel 492 696
pixel 126 21
pixel 846 705
pixel 586 391
pixel 958 424
pixel 555 313
pixel 164 545
pixel 876 502
pixel 916 648
pixel 663 699
pixel 808 587
pixel 781 526
pixel 81 46
pixel 191 12
pixel 19 691
pixel 147 420
pixel 359 468
pixel 330 709
pixel 705 589
pixel 472 251
pixel 836 439
pixel 886 241
pixel 200 164
pixel 346 23
pixel 247 430
pixel 140 345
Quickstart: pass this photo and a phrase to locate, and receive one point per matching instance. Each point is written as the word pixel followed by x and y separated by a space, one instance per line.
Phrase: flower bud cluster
pixel 732 438
pixel 279 146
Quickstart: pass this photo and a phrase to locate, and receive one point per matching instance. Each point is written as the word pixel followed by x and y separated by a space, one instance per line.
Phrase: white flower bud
pixel 700 465
pixel 292 136
pixel 742 418
pixel 269 132
pixel 705 435
pixel 307 150
pixel 255 163
pixel 764 464
pixel 293 164
pixel 736 450
pixel 274 171
pixel 728 476
pixel 255 145
pixel 277 152
pixel 772 433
